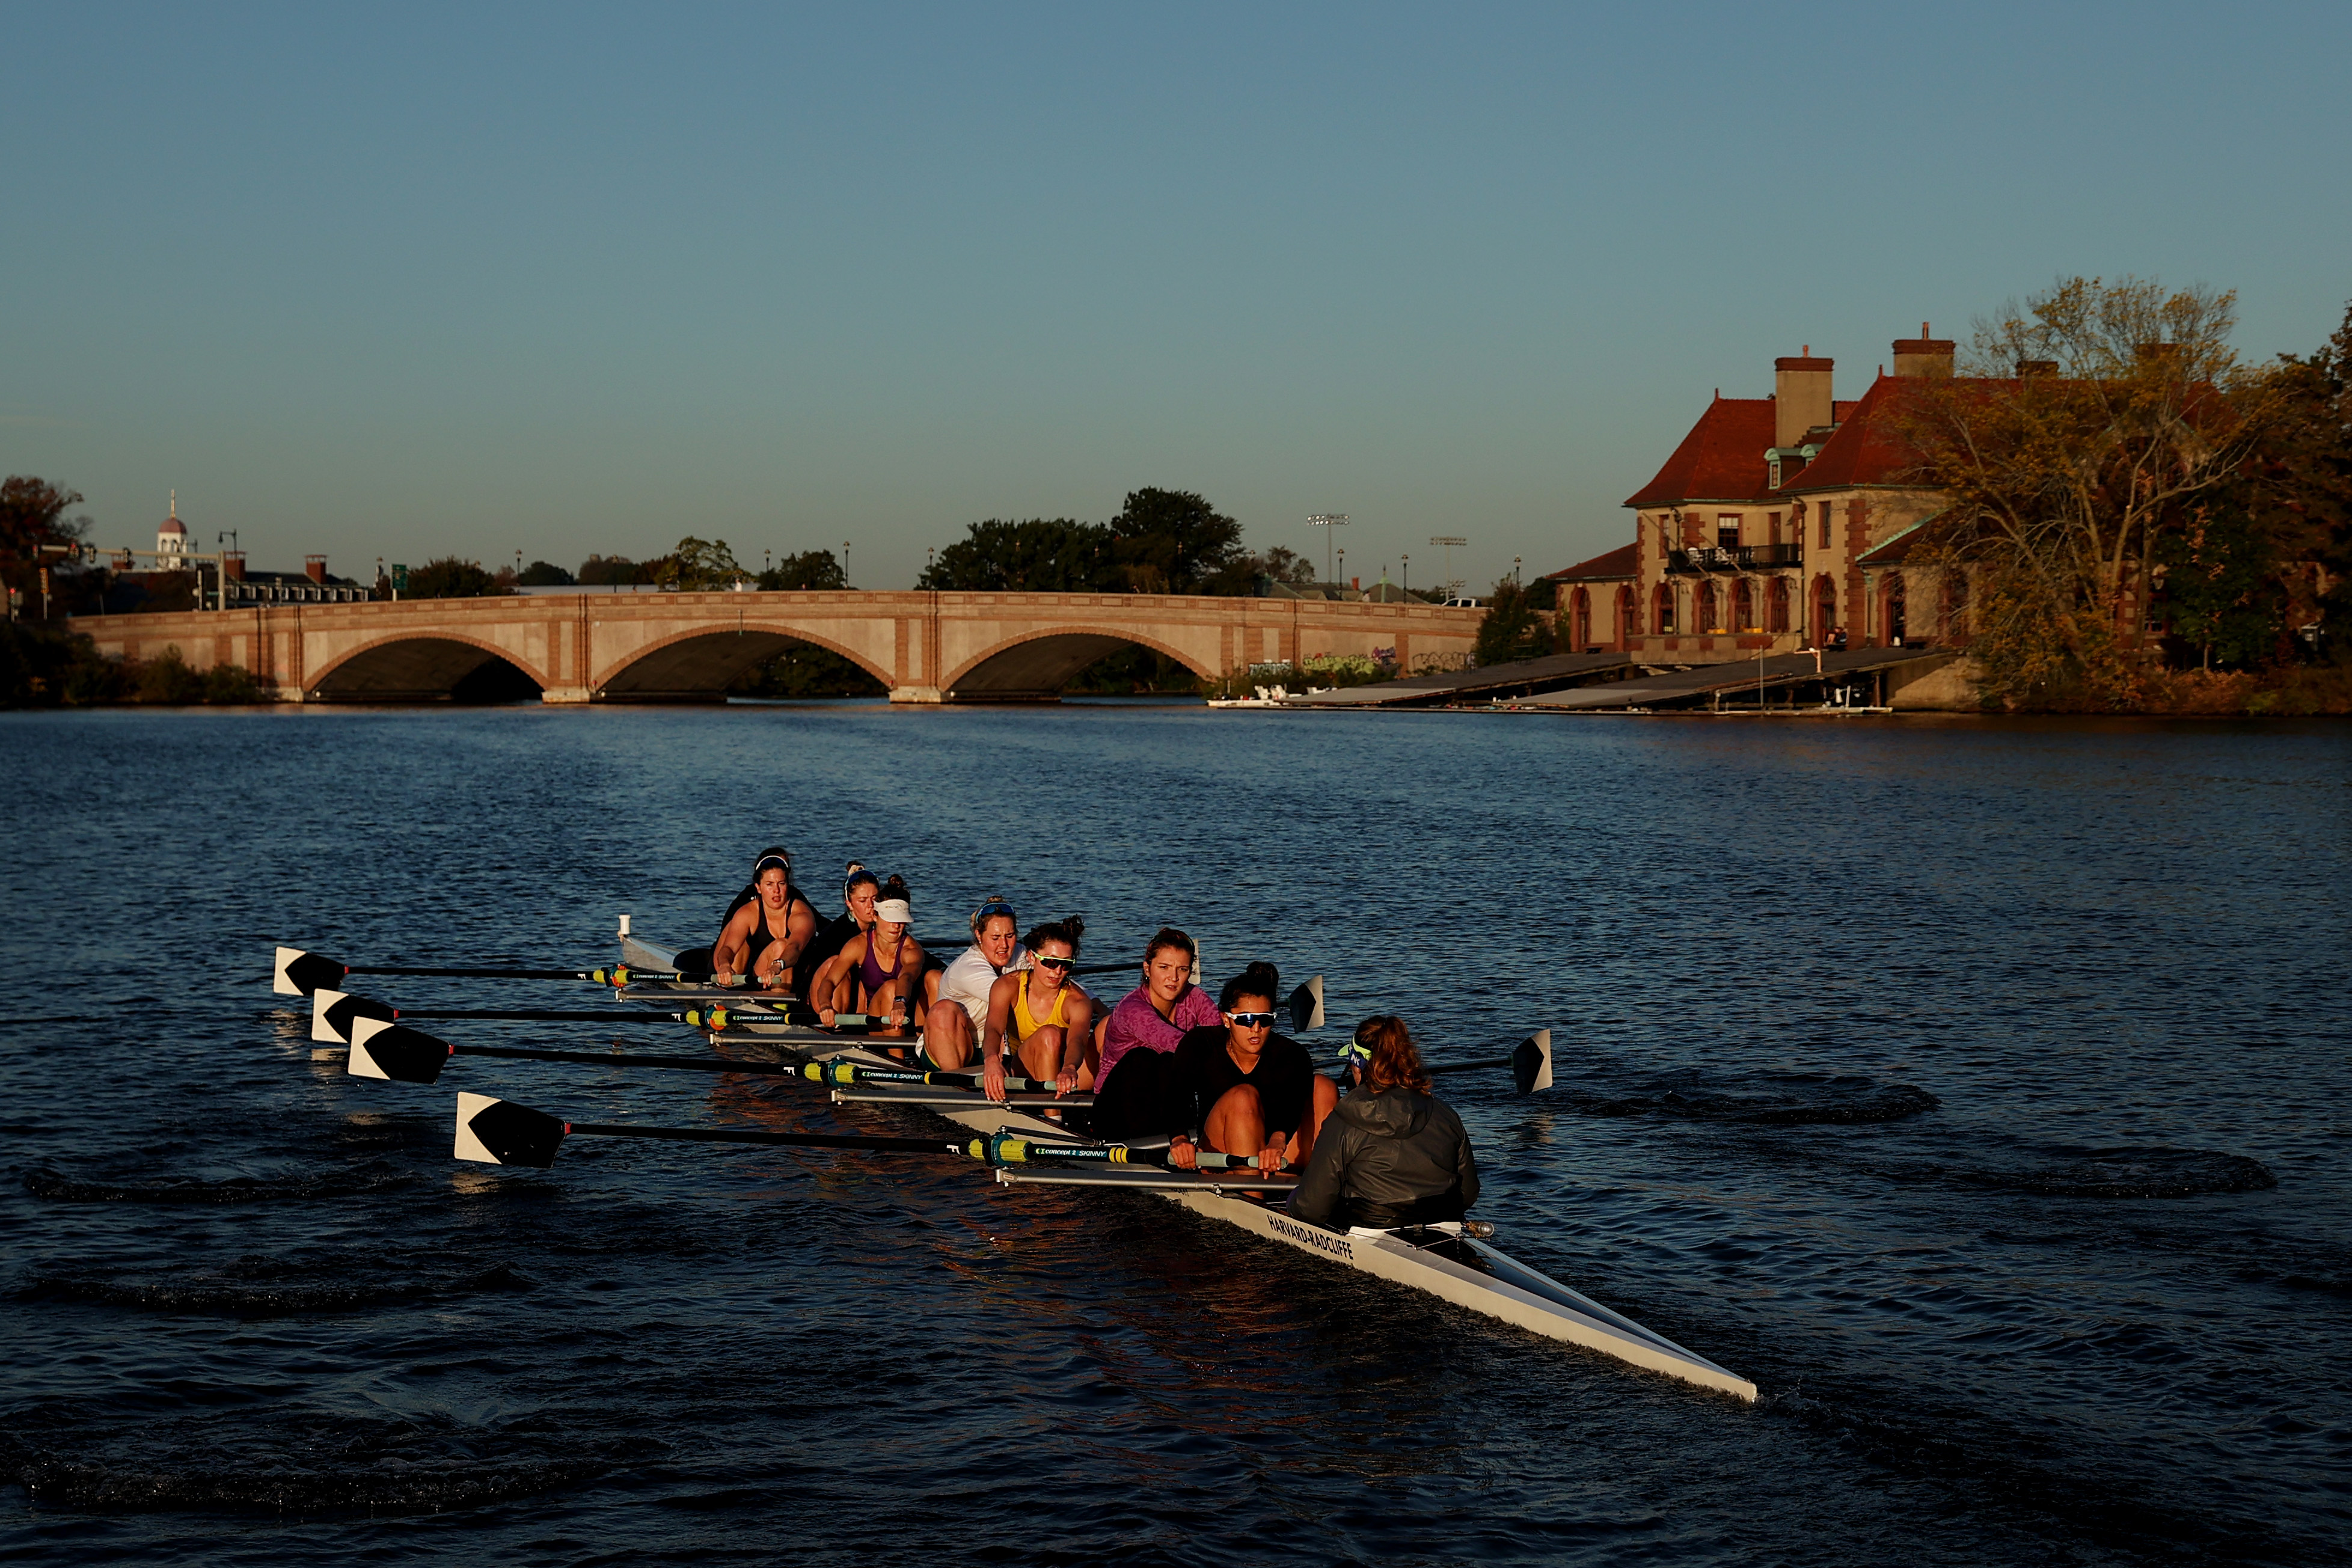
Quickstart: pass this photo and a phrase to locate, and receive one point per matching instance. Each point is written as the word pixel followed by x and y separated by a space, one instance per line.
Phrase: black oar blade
pixel 1531 1062
pixel 333 1014
pixel 500 1132
pixel 298 973
pixel 395 1052
pixel 1306 1006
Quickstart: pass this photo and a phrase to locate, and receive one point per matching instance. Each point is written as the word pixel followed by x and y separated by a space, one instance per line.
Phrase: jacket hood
pixel 1396 1113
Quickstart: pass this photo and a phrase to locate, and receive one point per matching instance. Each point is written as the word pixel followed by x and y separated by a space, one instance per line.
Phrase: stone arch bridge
pixel 590 646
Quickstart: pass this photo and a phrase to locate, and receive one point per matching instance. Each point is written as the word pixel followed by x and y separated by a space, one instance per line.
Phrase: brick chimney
pixel 233 562
pixel 315 568
pixel 1801 396
pixel 1923 355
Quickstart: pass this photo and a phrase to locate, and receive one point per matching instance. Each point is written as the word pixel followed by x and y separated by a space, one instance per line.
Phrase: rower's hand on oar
pixel 992 1077
pixel 1181 1154
pixel 1066 1081
pixel 825 1016
pixel 1269 1159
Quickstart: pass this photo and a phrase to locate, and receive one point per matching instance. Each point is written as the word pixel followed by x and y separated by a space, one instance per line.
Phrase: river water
pixel 1977 1088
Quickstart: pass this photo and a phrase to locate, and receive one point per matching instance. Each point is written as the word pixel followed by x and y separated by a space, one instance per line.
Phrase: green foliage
pixel 1321 670
pixel 1042 556
pixel 1173 541
pixel 810 569
pixel 32 515
pixel 167 679
pixel 454 577
pixel 1518 625
pixel 2221 591
pixel 697 566
pixel 544 574
pixel 806 671
pixel 232 683
pixel 610 571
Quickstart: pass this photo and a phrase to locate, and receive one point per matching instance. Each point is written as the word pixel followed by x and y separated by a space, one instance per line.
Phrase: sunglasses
pixel 1254 1020
pixel 1044 963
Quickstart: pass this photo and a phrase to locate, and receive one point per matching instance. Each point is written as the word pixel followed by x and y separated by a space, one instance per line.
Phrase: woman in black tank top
pixel 750 944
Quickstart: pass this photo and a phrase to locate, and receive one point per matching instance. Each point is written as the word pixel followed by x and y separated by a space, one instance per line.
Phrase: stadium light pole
pixel 1449 541
pixel 1327 521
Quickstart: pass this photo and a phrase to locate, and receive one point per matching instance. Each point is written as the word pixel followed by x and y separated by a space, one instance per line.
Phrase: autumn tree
pixel 32 518
pixel 2084 425
pixel 696 565
pixel 809 569
pixel 454 577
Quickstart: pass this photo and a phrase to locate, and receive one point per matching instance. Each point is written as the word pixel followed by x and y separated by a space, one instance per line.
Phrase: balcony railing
pixel 1735 557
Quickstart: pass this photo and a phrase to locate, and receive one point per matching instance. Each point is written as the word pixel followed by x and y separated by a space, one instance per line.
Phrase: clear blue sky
pixel 570 278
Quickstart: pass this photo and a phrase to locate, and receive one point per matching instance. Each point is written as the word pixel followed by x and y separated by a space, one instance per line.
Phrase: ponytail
pixel 1260 979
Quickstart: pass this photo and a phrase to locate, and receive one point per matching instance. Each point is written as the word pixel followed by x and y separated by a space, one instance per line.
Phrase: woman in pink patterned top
pixel 1144 1031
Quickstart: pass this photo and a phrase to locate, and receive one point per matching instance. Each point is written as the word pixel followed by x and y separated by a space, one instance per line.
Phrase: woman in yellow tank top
pixel 1039 1015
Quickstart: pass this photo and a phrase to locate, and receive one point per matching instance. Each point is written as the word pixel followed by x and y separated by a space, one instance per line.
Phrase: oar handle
pixel 840 1072
pixel 749 1135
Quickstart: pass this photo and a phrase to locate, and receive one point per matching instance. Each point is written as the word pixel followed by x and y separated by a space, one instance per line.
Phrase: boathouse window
pixel 1776 528
pixel 1825 526
pixel 1703 617
pixel 1580 620
pixel 1777 606
pixel 1626 625
pixel 1743 606
pixel 1665 606
pixel 1726 530
pixel 1891 611
pixel 1824 606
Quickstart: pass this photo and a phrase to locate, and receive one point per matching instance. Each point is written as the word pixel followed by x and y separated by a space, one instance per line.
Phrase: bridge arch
pixel 415 667
pixel 1033 667
pixel 698 666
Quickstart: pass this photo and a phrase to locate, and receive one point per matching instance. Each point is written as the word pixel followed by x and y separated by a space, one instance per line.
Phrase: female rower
pixel 859 890
pixel 878 972
pixel 1040 1015
pixel 1393 1155
pixel 1249 1089
pixel 764 936
pixel 951 1035
pixel 1138 1044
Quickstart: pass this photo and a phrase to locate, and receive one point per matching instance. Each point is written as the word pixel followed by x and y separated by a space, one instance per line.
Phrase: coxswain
pixel 1241 1089
pixel 1392 1154
pixel 878 972
pixel 1041 1016
pixel 1140 1037
pixel 951 1035
pixel 767 932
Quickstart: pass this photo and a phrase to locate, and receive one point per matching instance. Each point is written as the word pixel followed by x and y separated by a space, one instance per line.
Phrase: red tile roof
pixel 1863 450
pixel 1722 458
pixel 1618 563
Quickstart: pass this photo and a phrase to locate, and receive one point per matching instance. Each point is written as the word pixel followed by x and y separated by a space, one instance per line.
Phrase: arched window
pixel 1665 608
pixel 1702 614
pixel 1777 606
pixel 1627 623
pixel 1743 606
pixel 1890 610
pixel 1580 620
pixel 1824 608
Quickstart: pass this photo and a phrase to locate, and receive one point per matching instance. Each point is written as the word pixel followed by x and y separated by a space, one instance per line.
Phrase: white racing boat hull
pixel 1437 1259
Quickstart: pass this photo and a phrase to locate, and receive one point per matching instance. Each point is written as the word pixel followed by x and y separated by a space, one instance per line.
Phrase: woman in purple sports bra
pixel 878 972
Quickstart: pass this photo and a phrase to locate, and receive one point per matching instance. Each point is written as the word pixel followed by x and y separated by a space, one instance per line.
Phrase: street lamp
pixel 1328 521
pixel 1407 584
pixel 845 564
pixel 1342 578
pixel 1514 571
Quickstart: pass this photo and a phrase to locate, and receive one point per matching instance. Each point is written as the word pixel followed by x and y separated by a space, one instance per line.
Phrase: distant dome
pixel 171 525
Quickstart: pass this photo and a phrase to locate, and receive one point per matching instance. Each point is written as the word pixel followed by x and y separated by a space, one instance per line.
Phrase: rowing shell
pixel 1439 1259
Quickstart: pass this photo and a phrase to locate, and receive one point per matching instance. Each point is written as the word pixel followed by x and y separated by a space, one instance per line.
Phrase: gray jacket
pixel 1387 1159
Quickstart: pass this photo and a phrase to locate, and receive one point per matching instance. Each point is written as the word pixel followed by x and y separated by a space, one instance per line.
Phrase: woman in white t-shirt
pixel 951 1035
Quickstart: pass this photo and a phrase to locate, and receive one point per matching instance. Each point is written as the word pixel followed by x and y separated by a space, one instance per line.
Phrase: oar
pixel 500 1132
pixel 1529 1061
pixel 299 973
pixel 720 1020
pixel 1306 1006
pixel 399 1054
pixel 839 1072
pixel 333 1014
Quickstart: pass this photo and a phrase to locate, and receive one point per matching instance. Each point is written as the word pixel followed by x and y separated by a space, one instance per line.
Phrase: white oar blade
pixel 1306 1006
pixel 298 973
pixel 1531 1062
pixel 323 1023
pixel 395 1052
pixel 280 980
pixel 500 1132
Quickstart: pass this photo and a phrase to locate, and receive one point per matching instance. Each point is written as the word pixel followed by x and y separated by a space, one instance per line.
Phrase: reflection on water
pixel 1975 1087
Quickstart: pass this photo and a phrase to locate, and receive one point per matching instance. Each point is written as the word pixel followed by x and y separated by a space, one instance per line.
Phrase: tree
pixel 810 569
pixel 1516 625
pixel 545 574
pixel 2302 495
pixel 1247 574
pixel 1042 556
pixel 1172 541
pixel 32 515
pixel 454 577
pixel 2089 423
pixel 609 570
pixel 697 566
